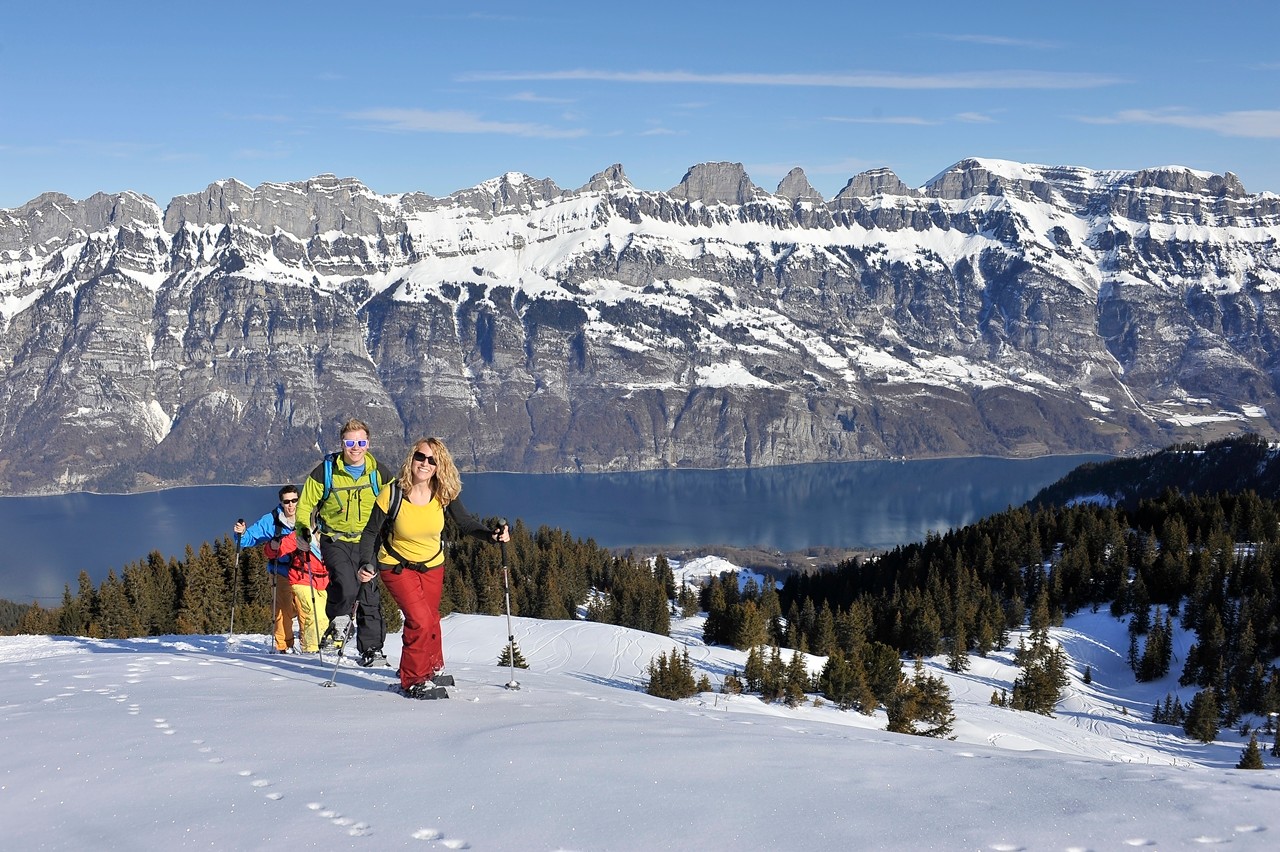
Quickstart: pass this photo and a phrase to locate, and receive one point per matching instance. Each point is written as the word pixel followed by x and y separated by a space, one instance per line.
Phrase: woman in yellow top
pixel 409 554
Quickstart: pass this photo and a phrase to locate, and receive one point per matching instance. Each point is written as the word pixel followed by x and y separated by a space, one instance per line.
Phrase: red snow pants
pixel 417 593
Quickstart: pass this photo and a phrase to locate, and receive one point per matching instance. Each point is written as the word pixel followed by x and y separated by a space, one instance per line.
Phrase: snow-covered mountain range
pixel 1002 309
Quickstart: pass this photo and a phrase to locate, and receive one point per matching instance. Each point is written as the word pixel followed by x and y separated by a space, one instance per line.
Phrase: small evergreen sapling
pixel 505 658
pixel 671 676
pixel 1251 757
pixel 1202 717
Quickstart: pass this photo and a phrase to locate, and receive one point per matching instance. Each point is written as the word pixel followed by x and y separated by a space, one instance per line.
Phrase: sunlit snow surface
pixel 204 742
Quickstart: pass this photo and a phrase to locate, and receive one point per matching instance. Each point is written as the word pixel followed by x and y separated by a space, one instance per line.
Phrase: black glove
pixel 303 536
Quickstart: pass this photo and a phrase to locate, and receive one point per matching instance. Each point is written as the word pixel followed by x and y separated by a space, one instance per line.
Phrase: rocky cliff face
pixel 1002 309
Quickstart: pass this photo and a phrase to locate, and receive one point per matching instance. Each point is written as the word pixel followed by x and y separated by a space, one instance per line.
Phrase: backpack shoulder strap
pixel 394 497
pixel 329 461
pixel 375 484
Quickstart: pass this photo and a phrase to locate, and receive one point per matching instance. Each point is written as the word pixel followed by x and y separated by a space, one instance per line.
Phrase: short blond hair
pixel 355 425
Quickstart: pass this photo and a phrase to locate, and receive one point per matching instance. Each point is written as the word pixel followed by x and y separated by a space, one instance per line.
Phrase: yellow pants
pixel 311 626
pixel 282 617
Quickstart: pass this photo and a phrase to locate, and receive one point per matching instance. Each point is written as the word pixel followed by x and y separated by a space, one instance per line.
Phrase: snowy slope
pixel 201 742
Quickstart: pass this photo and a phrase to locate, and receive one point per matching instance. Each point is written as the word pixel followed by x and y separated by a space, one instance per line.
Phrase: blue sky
pixel 166 98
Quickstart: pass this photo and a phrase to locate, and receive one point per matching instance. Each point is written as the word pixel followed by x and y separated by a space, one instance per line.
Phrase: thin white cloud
pixel 1013 79
pixel 260 117
pixel 659 131
pixel 1253 124
pixel 532 98
pixel 975 118
pixel 996 41
pixel 454 121
pixel 884 119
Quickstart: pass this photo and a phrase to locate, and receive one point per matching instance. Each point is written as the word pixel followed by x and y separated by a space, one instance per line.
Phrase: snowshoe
pixel 425 691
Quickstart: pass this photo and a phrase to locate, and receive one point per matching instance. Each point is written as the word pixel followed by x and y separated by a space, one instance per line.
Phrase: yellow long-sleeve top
pixel 416 534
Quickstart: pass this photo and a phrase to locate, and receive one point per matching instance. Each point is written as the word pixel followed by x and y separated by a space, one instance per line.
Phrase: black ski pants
pixel 345 591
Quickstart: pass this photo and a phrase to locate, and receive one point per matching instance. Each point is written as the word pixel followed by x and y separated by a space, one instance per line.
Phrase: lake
pixel 870 504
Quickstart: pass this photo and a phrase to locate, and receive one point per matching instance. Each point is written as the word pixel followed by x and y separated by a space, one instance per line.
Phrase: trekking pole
pixel 271 639
pixel 235 587
pixel 511 636
pixel 351 624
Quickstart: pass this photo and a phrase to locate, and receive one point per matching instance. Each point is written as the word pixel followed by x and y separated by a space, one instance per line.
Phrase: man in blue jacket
pixel 273 526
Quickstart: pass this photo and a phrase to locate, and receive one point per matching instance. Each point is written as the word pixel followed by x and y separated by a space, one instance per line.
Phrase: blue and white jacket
pixel 275 525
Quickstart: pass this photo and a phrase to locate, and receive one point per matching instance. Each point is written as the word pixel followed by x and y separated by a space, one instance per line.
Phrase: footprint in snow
pixel 353 828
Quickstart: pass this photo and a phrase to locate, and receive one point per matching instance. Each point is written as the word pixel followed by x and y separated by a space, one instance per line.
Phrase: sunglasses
pixel 421 457
pixel 360 443
pixel 287 502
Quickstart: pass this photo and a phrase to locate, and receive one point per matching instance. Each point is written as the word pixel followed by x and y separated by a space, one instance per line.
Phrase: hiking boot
pixel 340 626
pixel 373 657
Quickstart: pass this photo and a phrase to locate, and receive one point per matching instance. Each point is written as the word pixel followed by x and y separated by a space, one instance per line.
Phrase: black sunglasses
pixel 422 457
pixel 287 502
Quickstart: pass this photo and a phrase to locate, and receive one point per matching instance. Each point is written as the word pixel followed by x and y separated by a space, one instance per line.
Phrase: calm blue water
pixel 49 540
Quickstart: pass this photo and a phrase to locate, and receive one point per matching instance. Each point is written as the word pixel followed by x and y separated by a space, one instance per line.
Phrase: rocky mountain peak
pixel 51 218
pixel 717 183
pixel 1190 181
pixel 304 209
pixel 966 179
pixel 875 182
pixel 796 187
pixel 612 178
pixel 512 192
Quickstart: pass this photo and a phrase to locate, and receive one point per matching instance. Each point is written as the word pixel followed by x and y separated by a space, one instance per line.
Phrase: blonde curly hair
pixel 446 483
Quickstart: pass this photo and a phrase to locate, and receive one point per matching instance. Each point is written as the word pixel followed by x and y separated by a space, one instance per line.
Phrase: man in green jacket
pixel 335 503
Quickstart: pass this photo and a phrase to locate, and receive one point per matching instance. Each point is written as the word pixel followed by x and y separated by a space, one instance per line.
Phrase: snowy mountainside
pixel 1002 308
